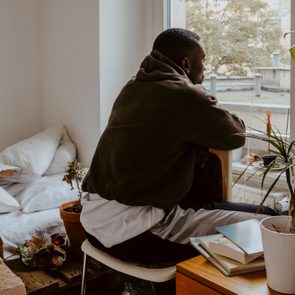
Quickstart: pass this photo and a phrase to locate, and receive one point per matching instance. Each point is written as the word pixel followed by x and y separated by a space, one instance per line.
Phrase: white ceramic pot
pixel 279 253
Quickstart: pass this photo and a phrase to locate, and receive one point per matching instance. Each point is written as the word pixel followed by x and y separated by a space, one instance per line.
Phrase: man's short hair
pixel 176 43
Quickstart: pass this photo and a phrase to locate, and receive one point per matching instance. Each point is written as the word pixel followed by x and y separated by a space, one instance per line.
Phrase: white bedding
pixel 30 198
pixel 17 227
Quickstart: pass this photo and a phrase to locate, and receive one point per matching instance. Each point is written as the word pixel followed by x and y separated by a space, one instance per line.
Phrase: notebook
pixel 245 234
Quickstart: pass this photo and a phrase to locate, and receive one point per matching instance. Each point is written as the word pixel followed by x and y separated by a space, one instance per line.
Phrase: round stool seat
pixel 128 268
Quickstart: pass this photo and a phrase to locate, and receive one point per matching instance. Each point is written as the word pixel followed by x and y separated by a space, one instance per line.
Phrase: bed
pixel 30 196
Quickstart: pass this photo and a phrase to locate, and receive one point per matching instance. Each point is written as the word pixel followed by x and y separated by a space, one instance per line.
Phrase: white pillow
pixel 7 202
pixel 46 193
pixel 65 153
pixel 14 188
pixel 34 154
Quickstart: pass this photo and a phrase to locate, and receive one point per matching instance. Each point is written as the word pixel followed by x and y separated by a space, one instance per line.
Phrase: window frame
pixel 170 17
pixel 174 6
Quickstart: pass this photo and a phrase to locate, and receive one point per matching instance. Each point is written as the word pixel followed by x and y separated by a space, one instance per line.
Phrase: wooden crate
pixel 10 283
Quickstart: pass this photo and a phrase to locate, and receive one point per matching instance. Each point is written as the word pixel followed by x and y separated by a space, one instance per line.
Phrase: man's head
pixel 185 49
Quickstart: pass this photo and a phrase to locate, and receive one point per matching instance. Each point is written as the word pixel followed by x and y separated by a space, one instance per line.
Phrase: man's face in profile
pixel 197 69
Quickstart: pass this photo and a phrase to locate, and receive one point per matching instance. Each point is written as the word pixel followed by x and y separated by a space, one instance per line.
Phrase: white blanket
pixel 17 227
pixel 29 199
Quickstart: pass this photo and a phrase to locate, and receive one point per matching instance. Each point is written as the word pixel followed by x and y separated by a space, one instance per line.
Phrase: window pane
pixel 248 69
pixel 248 62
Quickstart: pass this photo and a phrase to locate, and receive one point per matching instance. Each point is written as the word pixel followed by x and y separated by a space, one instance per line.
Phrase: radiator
pixel 277 199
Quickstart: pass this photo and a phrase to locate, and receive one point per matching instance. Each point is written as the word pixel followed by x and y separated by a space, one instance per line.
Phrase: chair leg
pixel 168 287
pixel 83 283
pixel 153 288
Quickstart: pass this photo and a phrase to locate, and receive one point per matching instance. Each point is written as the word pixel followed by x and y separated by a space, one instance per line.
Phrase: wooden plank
pixel 38 281
pixel 71 270
pixel 10 284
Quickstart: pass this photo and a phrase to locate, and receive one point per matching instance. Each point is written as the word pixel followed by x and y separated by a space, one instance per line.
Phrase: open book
pixel 226 265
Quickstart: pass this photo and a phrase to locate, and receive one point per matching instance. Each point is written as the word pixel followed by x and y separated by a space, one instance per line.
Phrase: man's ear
pixel 186 65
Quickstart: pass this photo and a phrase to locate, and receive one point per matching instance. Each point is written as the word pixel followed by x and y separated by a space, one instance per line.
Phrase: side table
pixel 198 276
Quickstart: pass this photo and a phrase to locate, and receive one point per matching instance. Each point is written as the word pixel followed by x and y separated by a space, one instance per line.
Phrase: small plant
pixel 75 175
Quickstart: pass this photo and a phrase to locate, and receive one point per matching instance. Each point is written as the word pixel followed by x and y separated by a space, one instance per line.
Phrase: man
pixel 152 176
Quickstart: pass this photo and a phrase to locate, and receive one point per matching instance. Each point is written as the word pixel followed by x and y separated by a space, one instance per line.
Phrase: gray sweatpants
pixel 181 224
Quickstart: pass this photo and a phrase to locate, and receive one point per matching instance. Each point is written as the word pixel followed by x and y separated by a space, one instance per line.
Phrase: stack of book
pixel 235 249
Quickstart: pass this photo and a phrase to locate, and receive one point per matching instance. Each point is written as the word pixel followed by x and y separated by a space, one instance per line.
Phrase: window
pixel 248 61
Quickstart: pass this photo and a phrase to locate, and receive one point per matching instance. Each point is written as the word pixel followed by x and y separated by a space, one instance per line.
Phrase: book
pixel 221 245
pixel 225 265
pixel 245 234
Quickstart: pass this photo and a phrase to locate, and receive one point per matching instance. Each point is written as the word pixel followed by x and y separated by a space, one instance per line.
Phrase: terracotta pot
pixel 74 229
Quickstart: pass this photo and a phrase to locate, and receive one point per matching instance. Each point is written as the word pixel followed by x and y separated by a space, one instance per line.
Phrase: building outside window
pixel 248 68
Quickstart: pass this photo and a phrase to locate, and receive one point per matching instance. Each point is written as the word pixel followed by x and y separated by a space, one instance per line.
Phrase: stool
pixel 128 268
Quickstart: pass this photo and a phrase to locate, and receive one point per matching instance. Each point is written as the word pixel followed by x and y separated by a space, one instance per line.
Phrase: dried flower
pixel 36 253
pixel 268 127
pixel 75 173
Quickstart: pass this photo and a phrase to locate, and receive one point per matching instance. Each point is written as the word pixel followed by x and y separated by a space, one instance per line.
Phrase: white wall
pixel 91 49
pixel 127 30
pixel 71 70
pixel 20 70
pixel 65 61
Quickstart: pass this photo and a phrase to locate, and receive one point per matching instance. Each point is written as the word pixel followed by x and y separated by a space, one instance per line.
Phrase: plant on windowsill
pixel 278 232
pixel 70 212
pixel 284 151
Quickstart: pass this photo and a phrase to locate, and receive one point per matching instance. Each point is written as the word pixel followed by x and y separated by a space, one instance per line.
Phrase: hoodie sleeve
pixel 213 126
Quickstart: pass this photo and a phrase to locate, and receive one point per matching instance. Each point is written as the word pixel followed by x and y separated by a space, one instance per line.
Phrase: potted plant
pixel 70 211
pixel 278 232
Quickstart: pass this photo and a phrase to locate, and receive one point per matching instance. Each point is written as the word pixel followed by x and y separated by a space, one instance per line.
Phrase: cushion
pixel 65 153
pixel 34 154
pixel 45 193
pixel 14 188
pixel 7 202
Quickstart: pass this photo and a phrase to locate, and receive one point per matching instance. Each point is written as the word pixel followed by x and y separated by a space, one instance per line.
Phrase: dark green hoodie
pixel 159 130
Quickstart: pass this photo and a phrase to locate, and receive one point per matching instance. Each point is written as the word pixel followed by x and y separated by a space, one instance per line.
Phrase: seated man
pixel 152 183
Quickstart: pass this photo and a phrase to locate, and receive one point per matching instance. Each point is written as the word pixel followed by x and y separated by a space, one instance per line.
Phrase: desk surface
pixel 198 270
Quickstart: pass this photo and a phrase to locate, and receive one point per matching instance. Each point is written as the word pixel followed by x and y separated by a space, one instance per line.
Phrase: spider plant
pixel 284 149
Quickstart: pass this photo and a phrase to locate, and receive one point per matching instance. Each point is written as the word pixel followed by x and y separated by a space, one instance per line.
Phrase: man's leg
pixel 243 207
pixel 148 249
pixel 181 224
pixel 206 191
pixel 207 185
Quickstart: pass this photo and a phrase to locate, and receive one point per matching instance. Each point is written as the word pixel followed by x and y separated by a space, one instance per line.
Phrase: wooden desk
pixel 198 276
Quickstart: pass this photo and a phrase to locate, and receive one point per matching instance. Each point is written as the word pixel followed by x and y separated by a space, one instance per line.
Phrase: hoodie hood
pixel 156 67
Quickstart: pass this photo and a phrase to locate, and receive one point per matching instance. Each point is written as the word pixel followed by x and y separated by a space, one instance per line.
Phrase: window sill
pixel 248 188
